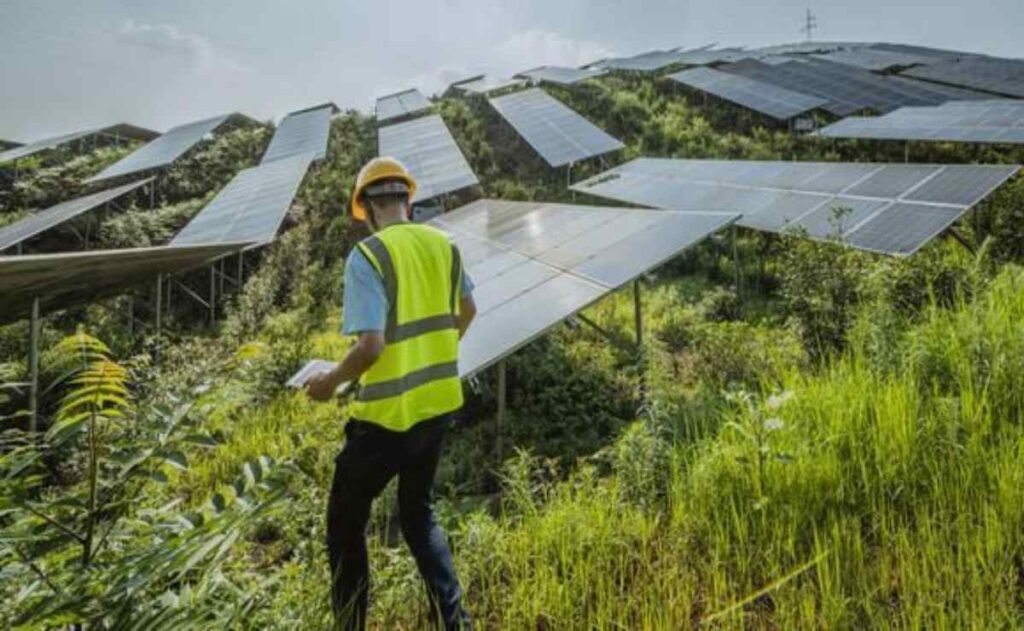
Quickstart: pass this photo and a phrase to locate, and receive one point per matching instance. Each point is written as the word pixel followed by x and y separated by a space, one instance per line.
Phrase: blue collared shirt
pixel 366 301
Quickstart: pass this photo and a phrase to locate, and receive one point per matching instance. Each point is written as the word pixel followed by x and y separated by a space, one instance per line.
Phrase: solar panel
pixel 251 207
pixel 303 132
pixel 873 59
pixel 826 200
pixel 1000 121
pixel 847 89
pixel 487 84
pixel 426 147
pixel 562 75
pixel 707 57
pixel 164 150
pixel 556 132
pixel 28 227
pixel 645 62
pixel 69 279
pixel 535 264
pixel 999 76
pixel 117 131
pixel 401 104
pixel 765 98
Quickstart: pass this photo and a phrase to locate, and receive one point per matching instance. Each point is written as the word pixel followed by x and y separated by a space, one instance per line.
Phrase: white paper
pixel 312 368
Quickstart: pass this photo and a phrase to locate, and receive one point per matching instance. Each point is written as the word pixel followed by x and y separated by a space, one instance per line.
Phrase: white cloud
pixel 169 40
pixel 528 49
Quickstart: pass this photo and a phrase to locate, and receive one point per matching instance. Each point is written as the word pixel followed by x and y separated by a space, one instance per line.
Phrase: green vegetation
pixel 835 443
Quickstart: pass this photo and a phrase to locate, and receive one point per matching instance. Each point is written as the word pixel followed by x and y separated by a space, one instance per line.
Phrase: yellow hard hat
pixel 376 170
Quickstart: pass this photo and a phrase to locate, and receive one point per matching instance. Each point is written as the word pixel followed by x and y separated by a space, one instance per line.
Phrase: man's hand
pixel 321 387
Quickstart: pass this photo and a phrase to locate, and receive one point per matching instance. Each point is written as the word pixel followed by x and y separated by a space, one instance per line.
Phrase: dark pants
pixel 372 456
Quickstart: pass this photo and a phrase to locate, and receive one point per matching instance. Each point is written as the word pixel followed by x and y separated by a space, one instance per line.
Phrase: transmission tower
pixel 810 23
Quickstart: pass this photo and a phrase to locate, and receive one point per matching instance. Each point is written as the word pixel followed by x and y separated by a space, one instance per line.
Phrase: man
pixel 409 302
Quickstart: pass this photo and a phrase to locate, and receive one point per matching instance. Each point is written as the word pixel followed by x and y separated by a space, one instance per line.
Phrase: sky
pixel 73 64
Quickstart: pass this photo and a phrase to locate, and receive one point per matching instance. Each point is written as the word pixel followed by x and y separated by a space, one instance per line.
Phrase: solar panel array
pixel 561 74
pixel 36 223
pixel 707 56
pixel 251 207
pixel 556 132
pixel 487 84
pixel 765 98
pixel 32 148
pixel 535 264
pixel 164 150
pixel 401 104
pixel 645 62
pixel 999 76
pixel 304 132
pixel 847 89
pixel 892 209
pixel 998 121
pixel 426 147
pixel 869 58
pixel 69 279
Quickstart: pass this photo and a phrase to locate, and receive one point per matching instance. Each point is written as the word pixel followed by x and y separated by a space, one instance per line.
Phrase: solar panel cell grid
pixel 303 132
pixel 427 149
pixel 28 227
pixel 825 199
pixel 251 207
pixel 768 99
pixel 557 133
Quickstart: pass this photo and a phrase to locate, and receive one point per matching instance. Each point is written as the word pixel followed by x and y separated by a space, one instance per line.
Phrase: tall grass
pixel 866 498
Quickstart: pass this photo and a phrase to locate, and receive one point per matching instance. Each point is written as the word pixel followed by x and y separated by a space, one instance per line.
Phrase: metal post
pixel 220 290
pixel 159 311
pixel 241 270
pixel 906 152
pixel 499 420
pixel 638 314
pixel 735 260
pixel 638 325
pixel 33 368
pixel 213 293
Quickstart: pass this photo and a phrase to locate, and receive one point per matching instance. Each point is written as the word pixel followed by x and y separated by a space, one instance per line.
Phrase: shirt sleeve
pixel 365 306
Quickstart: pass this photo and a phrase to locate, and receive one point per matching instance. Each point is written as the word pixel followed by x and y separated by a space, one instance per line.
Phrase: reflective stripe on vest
pixel 416 377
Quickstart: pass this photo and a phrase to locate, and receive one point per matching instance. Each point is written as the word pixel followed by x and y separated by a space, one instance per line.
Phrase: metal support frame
pixel 159 311
pixel 188 291
pixel 736 260
pixel 499 419
pixel 961 239
pixel 33 368
pixel 638 325
pixel 213 293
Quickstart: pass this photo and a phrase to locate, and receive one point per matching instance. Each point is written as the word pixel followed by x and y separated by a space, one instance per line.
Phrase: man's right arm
pixel 467 311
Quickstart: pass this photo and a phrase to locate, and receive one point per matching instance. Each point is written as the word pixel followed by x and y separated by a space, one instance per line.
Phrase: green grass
pixel 886 499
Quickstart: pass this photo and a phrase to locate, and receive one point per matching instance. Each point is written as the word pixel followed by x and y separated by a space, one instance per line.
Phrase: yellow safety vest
pixel 417 375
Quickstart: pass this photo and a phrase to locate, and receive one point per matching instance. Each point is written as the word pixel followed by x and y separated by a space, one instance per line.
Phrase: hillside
pixel 836 442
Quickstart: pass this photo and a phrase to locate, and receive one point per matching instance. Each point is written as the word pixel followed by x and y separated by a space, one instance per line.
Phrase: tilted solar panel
pixel 535 264
pixel 251 207
pixel 426 147
pixel 768 99
pixel 561 75
pixel 401 104
pixel 120 130
pixel 164 150
pixel 69 279
pixel 304 132
pixel 556 132
pixel 645 62
pixel 488 84
pixel 999 76
pixel 824 200
pixel 28 227
pixel 961 121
